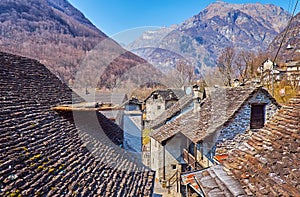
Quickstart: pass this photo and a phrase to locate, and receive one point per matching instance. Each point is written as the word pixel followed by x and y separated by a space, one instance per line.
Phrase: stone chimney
pixel 196 98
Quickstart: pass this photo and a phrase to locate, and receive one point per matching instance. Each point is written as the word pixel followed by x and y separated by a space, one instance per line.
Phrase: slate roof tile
pixel 168 94
pixel 273 167
pixel 176 108
pixel 213 182
pixel 44 153
pixel 216 111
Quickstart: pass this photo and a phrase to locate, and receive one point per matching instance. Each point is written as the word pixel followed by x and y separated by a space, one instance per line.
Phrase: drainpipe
pixel 196 98
pixel 164 162
pixel 151 151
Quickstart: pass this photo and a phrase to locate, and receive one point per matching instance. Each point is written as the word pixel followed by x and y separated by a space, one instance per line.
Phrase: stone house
pixel 293 71
pixel 267 70
pixel 290 71
pixel 265 163
pixel 156 104
pixel 266 66
pixel 133 105
pixel 159 101
pixel 188 142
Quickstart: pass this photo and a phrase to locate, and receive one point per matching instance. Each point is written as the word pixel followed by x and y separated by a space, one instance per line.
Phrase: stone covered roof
pixel 172 111
pixel 213 181
pixel 43 153
pixel 217 109
pixel 168 94
pixel 293 64
pixel 265 163
pixel 268 163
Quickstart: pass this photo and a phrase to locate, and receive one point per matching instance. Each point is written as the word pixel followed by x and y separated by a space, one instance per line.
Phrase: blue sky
pixel 114 16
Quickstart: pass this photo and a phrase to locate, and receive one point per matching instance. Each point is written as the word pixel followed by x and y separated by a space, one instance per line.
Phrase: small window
pixel 174 167
pixel 158 107
pixel 257 120
pixel 192 148
pixel 155 96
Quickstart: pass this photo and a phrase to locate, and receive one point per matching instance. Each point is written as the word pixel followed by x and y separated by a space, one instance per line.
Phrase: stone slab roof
pixel 172 111
pixel 268 163
pixel 216 110
pixel 168 94
pixel 213 182
pixel 43 153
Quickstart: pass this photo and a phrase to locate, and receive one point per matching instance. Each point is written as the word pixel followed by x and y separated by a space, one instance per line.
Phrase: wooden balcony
pixel 190 160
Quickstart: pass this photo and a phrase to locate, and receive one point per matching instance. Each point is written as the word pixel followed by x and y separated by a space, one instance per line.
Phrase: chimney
pixel 196 98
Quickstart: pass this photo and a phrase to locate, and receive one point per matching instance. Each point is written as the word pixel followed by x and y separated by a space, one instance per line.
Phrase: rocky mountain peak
pixel 268 15
pixel 201 38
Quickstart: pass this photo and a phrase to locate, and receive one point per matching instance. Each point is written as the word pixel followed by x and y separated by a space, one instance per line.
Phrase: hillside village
pixel 240 138
pixel 203 141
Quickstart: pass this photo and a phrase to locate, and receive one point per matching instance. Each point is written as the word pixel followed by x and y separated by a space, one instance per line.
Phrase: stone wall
pixel 154 107
pixel 240 122
pixel 173 156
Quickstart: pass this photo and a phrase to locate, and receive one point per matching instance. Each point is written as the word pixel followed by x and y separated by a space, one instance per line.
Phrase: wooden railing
pixel 172 180
pixel 190 160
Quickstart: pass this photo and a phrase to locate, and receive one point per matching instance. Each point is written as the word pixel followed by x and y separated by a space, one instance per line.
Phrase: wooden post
pixel 195 155
pixel 201 149
pixel 177 180
pixel 164 162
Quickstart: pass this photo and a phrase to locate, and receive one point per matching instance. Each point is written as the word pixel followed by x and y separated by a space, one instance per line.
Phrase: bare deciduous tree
pixel 185 72
pixel 225 65
pixel 182 75
pixel 246 67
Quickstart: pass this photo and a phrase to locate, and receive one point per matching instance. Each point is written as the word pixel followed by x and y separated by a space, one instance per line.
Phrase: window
pixel 158 107
pixel 257 119
pixel 191 148
pixel 173 166
pixel 155 96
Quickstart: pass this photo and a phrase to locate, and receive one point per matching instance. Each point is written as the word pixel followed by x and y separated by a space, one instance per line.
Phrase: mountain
pixel 59 36
pixel 200 39
pixel 290 48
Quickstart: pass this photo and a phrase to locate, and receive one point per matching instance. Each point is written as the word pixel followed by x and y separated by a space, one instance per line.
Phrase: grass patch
pixel 146 137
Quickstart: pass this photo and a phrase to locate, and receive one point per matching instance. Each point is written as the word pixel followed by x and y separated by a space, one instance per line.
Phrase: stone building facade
pixel 188 142
pixel 242 120
pixel 265 163
pixel 159 101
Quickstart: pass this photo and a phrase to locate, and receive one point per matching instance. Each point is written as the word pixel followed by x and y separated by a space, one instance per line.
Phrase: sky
pixel 115 16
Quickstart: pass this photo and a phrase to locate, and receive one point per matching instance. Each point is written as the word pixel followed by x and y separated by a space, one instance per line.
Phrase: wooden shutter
pixel 257 116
